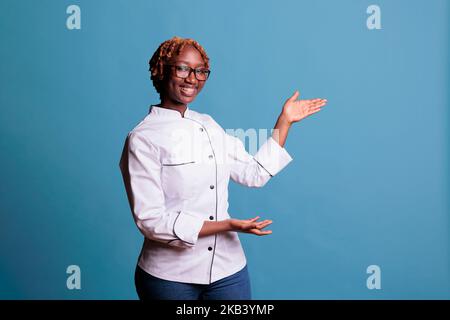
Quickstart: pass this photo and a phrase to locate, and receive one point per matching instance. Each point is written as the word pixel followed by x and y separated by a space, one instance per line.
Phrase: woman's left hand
pixel 295 110
pixel 250 226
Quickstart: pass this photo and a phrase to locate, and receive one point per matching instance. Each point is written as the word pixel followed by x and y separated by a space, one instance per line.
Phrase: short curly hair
pixel 167 50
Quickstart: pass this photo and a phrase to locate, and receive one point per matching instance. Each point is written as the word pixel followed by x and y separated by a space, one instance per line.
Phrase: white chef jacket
pixel 176 171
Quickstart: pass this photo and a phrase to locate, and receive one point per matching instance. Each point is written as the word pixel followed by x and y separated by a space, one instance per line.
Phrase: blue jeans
pixel 234 287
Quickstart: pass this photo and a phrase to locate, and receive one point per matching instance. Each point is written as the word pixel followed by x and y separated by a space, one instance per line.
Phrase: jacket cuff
pixel 186 227
pixel 272 157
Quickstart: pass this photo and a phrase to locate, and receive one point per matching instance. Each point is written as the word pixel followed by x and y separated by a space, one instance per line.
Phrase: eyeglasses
pixel 201 74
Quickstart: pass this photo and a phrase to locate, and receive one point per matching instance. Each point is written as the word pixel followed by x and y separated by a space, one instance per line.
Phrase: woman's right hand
pixel 251 226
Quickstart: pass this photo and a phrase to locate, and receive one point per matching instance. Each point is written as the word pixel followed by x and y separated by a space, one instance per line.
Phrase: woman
pixel 176 165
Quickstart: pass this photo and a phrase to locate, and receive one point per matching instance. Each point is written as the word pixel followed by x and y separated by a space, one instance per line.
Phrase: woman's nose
pixel 191 77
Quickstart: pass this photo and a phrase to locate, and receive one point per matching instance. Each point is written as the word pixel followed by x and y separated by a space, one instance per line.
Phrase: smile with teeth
pixel 188 91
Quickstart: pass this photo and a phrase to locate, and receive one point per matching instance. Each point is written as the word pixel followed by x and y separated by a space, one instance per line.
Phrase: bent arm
pixel 141 172
pixel 248 226
pixel 293 111
pixel 281 130
pixel 213 227
pixel 256 171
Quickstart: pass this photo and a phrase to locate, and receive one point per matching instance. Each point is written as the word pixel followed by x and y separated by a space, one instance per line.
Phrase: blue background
pixel 369 183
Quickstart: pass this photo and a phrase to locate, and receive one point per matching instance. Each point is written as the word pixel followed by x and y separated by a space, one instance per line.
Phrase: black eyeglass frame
pixel 191 70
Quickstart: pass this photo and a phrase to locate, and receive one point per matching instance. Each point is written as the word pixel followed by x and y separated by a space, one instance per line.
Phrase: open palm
pixel 295 110
pixel 251 226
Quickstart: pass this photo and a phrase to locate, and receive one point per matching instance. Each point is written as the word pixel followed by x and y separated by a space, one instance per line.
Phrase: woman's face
pixel 177 91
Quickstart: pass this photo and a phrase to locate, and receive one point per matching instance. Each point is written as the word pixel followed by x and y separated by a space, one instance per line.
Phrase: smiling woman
pixel 176 165
pixel 184 64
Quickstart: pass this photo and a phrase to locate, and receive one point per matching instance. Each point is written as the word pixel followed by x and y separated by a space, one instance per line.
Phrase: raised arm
pixel 250 173
pixel 293 111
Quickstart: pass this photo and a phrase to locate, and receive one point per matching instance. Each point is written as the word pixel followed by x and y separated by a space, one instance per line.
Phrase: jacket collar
pixel 168 113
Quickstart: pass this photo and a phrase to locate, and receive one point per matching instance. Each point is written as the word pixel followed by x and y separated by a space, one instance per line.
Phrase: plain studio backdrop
pixel 369 184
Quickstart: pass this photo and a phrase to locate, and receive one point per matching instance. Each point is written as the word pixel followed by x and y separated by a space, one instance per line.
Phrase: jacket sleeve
pixel 255 171
pixel 141 172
